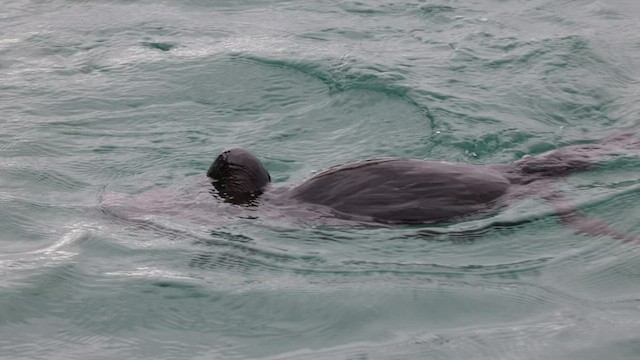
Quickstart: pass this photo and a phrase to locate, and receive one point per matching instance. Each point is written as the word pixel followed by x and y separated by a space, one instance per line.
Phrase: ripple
pixel 159 45
pixel 19 267
pixel 345 74
pixel 512 269
pixel 112 248
pixel 547 337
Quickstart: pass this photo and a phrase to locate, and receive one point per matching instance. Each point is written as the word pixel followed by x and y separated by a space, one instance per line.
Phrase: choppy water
pixel 132 100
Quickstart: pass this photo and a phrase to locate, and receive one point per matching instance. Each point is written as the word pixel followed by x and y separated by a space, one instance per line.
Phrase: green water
pixel 127 103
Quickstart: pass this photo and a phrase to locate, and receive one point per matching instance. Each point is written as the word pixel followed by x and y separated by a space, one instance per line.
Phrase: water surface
pixel 131 101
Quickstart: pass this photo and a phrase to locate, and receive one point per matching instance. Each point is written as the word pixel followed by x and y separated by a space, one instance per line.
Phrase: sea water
pixel 124 104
